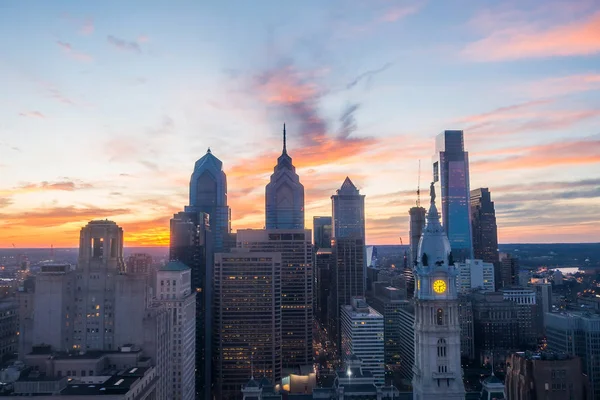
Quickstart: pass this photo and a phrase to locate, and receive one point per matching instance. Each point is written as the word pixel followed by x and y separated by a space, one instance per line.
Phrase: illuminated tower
pixel 437 368
pixel 284 197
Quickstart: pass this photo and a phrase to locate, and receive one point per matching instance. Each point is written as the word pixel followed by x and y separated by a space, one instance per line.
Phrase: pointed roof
pixel 284 160
pixel 208 160
pixel 434 241
pixel 348 188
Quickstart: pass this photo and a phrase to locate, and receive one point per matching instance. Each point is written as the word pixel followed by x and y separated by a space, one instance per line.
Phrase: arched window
pixel 440 316
pixel 441 348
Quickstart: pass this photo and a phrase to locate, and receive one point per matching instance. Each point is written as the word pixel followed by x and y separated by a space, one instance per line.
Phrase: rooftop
pixel 544 355
pixel 174 266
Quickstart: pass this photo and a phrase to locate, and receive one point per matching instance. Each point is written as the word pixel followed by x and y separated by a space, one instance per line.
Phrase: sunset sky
pixel 105 106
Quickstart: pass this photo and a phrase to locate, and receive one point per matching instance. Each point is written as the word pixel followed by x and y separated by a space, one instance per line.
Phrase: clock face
pixel 439 286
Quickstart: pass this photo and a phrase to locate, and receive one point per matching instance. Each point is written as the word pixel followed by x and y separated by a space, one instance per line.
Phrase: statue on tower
pixel 432 192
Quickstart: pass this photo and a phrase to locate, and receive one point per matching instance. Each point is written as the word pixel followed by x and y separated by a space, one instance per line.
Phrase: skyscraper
pixel 483 221
pixel 508 271
pixel 348 275
pixel 284 195
pixel 174 292
pixel 296 286
pixel 416 225
pixel 437 370
pixel 322 232
pixel 208 194
pixel 191 243
pixel 451 177
pixel 248 319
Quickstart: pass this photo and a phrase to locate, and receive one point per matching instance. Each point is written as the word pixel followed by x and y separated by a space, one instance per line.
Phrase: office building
pixel 284 195
pixel 388 301
pixel 545 376
pixel 543 292
pixel 509 270
pixel 362 336
pixel 191 243
pixel 578 334
pixel 407 343
pixel 528 314
pixel 348 210
pixel 322 232
pixel 416 225
pixel 174 292
pixel 248 319
pixel 495 326
pixel 485 230
pixel 451 177
pixel 9 327
pixel 467 334
pixel 475 275
pixel 437 371
pixel 297 279
pixel 139 263
pixel 208 194
pixel 324 263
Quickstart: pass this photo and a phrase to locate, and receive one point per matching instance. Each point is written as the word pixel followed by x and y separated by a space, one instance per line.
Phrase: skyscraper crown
pixel 434 247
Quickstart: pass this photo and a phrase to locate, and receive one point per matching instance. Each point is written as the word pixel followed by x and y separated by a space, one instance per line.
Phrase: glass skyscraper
pixel 485 230
pixel 208 194
pixel 284 197
pixel 451 177
pixel 322 232
pixel 348 207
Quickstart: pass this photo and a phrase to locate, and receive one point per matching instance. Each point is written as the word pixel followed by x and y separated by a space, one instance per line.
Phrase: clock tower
pixel 437 370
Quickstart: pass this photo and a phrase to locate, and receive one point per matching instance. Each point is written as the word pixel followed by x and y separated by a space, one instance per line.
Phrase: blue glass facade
pixel 451 177
pixel 348 209
pixel 284 195
pixel 208 194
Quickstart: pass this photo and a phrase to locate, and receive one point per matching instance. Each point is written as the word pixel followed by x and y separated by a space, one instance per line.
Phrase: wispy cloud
pixel 57 216
pixel 71 52
pixel 123 44
pixel 396 13
pixel 88 27
pixel 368 75
pixel 563 85
pixel 32 114
pixel 66 185
pixel 522 41
pixel 5 202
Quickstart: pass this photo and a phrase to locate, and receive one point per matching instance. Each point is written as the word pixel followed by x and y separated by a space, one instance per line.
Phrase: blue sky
pixel 107 105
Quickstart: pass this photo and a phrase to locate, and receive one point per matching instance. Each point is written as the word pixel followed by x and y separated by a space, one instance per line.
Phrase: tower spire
pixel 284 140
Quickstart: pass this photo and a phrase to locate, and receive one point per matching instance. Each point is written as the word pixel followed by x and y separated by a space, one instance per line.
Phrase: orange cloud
pixel 571 39
pixel 68 186
pixel 58 216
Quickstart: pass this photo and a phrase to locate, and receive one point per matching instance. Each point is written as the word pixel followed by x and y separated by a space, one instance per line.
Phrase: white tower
pixel 437 370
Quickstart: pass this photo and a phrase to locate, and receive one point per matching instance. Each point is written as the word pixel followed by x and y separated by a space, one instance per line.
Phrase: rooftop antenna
pixel 419 187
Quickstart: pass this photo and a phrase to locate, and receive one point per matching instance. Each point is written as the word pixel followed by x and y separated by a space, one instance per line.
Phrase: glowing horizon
pixel 107 107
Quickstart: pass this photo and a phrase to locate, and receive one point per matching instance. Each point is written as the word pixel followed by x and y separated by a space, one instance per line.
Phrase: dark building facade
pixel 191 243
pixel 324 262
pixel 284 195
pixel 416 225
pixel 485 230
pixel 451 177
pixel 208 194
pixel 322 232
pixel 509 270
pixel 348 210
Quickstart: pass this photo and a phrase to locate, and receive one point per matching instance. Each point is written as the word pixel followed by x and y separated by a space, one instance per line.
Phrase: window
pixel 440 316
pixel 441 348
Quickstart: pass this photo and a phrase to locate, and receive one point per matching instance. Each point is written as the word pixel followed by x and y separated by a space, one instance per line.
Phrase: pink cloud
pixel 564 85
pixel 396 13
pixel 32 114
pixel 88 27
pixel 71 52
pixel 571 39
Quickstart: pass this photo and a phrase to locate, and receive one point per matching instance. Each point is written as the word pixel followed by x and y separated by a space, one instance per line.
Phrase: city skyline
pixel 111 123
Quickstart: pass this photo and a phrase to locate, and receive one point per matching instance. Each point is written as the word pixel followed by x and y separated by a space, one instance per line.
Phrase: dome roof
pixel 434 243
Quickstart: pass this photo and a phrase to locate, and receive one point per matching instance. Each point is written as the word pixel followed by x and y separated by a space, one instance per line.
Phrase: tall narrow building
pixel 348 274
pixel 192 243
pixel 483 222
pixel 451 177
pixel 437 371
pixel 248 319
pixel 284 197
pixel 322 232
pixel 208 194
pixel 416 225
pixel 297 278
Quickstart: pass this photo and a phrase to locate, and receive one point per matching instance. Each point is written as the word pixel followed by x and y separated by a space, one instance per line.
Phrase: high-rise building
pixel 509 270
pixel 9 327
pixel 284 195
pixel 485 230
pixel 437 370
pixel 324 263
pixel 495 326
pixel 296 286
pixel 191 243
pixel 322 232
pixel 349 273
pixel 248 319
pixel 362 336
pixel 545 376
pixel 577 333
pixel 139 263
pixel 465 318
pixel 528 314
pixel 407 343
pixel 416 225
pixel 208 194
pixel 174 291
pixel 451 176
pixel 475 274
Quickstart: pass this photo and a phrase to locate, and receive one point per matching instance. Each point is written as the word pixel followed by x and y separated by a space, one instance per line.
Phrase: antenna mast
pixel 419 187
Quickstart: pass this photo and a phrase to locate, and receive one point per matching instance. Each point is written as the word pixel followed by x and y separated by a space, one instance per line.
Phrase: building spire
pixel 208 151
pixel 284 140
